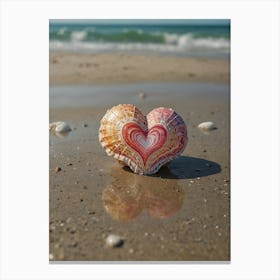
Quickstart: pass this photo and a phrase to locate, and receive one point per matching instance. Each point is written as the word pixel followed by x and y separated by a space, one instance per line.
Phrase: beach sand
pixel 181 213
pixel 87 69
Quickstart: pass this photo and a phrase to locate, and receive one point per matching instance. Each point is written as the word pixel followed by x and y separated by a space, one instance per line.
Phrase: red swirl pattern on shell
pixel 143 143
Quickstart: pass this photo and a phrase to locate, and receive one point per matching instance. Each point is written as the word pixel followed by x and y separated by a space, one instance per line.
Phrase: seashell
pixel 207 126
pixel 143 143
pixel 60 129
pixel 113 240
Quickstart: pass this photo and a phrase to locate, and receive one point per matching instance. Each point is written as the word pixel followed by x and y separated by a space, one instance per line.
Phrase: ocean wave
pixel 187 41
pixel 79 35
pixel 93 35
pixel 136 39
pixel 183 47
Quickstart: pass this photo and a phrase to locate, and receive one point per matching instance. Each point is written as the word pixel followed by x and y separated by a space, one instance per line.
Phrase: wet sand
pixel 181 213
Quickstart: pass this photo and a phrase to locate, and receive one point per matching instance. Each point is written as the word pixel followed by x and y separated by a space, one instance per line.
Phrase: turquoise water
pixel 202 38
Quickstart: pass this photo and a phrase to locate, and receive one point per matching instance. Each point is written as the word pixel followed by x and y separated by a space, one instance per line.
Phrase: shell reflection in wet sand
pixel 164 201
pixel 123 203
pixel 128 196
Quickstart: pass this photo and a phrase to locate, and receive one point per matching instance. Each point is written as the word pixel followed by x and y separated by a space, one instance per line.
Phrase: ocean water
pixel 185 38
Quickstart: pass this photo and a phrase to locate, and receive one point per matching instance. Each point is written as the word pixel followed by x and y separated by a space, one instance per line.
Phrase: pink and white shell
pixel 143 143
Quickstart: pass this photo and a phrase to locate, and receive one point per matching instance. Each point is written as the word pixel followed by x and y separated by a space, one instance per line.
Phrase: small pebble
pixel 216 227
pixel 69 164
pixel 191 181
pixel 131 251
pixel 51 256
pixel 72 230
pixel 113 241
pixel 85 125
pixel 52 227
pixel 74 244
pixel 141 95
pixel 57 169
pixel 94 219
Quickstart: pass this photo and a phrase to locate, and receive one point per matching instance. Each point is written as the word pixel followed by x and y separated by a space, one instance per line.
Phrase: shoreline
pixel 160 94
pixel 112 68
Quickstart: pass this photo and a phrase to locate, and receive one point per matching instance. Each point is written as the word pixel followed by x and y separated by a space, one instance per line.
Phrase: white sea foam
pixel 187 41
pixel 171 38
pixel 61 31
pixel 182 44
pixel 78 35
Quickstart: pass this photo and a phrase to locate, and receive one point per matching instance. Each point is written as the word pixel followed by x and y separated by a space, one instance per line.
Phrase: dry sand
pixel 67 68
pixel 180 214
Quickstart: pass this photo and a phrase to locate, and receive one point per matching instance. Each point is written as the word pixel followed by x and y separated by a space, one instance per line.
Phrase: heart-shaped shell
pixel 143 143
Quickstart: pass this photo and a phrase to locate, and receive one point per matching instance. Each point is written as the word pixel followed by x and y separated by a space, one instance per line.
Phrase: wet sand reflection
pixel 131 194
